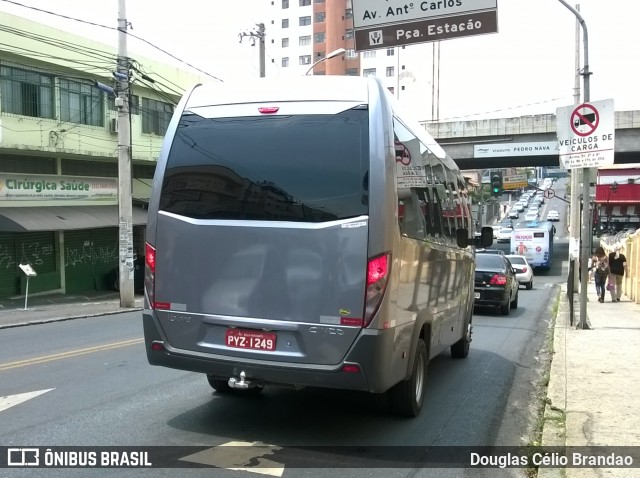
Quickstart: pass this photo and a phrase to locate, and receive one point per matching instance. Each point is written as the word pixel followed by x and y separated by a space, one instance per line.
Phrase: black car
pixel 495 282
pixel 113 277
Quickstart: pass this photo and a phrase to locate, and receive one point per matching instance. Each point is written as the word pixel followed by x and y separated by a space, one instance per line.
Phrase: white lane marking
pixel 233 453
pixel 13 400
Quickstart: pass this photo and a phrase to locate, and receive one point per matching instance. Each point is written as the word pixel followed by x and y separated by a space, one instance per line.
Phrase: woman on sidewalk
pixel 601 272
pixel 618 267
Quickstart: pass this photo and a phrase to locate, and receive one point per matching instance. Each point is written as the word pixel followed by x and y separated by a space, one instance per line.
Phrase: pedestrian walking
pixel 601 272
pixel 591 264
pixel 618 269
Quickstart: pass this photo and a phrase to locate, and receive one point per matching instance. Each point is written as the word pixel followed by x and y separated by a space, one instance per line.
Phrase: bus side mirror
pixel 462 237
pixel 486 237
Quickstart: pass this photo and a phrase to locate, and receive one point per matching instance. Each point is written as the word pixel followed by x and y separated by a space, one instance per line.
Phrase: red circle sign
pixel 538 249
pixel 584 120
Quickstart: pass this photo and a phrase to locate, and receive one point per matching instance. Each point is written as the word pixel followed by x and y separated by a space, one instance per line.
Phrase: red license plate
pixel 250 339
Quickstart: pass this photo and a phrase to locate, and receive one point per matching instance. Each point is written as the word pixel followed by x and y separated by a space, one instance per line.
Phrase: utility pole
pixel 257 35
pixel 586 178
pixel 125 208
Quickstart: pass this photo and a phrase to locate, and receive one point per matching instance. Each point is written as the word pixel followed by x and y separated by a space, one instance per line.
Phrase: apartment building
pixel 300 33
pixel 59 155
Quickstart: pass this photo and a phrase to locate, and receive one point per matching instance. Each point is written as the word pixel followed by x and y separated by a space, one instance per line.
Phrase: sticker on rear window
pixel 353 225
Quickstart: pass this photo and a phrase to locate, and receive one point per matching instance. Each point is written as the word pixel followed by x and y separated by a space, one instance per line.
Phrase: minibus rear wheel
pixel 407 396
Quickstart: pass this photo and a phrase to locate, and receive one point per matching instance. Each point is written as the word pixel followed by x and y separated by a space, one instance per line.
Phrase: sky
pixel 528 67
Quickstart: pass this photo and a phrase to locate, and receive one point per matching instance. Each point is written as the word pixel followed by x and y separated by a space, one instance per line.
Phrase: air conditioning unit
pixel 113 125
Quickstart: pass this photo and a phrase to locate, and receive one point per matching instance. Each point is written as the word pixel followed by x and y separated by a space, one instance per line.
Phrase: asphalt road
pixel 101 391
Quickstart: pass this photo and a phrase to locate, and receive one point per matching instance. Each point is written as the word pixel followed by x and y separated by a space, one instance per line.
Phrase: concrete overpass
pixel 469 142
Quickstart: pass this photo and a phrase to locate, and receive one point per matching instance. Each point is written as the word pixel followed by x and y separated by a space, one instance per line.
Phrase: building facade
pixel 300 33
pixel 59 155
pixel 617 201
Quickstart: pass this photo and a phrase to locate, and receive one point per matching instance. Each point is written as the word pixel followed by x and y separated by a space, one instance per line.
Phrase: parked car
pixel 504 235
pixel 553 215
pixel 495 282
pixel 113 276
pixel 524 271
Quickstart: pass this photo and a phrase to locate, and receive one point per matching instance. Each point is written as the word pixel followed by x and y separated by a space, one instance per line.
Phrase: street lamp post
pixel 332 54
pixel 586 178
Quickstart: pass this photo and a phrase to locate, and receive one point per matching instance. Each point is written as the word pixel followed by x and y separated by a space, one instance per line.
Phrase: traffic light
pixel 496 184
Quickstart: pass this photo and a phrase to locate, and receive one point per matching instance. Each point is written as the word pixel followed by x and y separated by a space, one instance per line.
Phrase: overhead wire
pixel 115 29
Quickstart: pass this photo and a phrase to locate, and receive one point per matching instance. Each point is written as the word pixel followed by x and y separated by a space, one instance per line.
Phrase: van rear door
pixel 261 235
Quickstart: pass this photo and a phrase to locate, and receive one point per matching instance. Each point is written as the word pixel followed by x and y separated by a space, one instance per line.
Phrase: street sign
pixel 373 13
pixel 515 181
pixel 388 23
pixel 534 148
pixel 549 193
pixel 586 134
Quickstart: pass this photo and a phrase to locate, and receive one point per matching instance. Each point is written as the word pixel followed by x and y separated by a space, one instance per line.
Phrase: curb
pixel 63 319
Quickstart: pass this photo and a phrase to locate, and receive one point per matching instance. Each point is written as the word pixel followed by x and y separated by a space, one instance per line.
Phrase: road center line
pixel 69 354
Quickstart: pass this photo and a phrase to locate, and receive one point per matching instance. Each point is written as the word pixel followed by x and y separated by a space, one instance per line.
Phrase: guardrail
pixel 629 242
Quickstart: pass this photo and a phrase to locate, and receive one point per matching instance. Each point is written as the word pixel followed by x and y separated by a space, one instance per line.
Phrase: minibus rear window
pixel 310 168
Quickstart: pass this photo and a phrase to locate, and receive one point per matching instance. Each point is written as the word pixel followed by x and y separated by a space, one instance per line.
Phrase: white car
pixel 524 272
pixel 504 234
pixel 553 215
pixel 513 214
pixel 531 216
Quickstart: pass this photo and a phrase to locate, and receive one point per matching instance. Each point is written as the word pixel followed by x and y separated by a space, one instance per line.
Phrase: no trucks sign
pixel 586 134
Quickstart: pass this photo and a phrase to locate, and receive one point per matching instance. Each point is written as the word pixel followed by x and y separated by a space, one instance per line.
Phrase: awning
pixel 623 193
pixel 63 218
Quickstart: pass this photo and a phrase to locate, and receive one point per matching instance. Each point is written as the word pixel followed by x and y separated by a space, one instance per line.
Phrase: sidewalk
pixel 594 382
pixel 55 307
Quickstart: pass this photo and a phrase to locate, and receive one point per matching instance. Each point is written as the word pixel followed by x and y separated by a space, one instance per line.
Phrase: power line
pixel 113 28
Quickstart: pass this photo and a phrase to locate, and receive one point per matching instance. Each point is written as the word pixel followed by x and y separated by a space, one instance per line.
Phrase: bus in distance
pixel 534 240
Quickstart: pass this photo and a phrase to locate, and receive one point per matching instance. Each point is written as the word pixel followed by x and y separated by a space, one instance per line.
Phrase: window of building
pixel 391 71
pixel 285 42
pixel 81 103
pixel 319 17
pixel 351 72
pixel 134 104
pixel 27 93
pixel 305 59
pixel 348 34
pixel 319 73
pixel 304 21
pixel 318 1
pixel 370 54
pixel 391 89
pixel 304 40
pixel 368 71
pixel 319 37
pixel 79 167
pixel 285 61
pixel 285 4
pixel 391 51
pixel 320 54
pixel 351 53
pixel 155 116
pixel 27 164
pixel 348 13
pixel 285 23
pixel 304 3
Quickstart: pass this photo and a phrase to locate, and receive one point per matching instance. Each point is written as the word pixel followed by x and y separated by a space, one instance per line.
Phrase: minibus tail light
pixel 150 273
pixel 378 269
pixel 268 110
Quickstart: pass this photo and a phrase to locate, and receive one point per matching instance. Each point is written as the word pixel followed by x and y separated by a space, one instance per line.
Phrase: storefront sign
pixel 28 187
